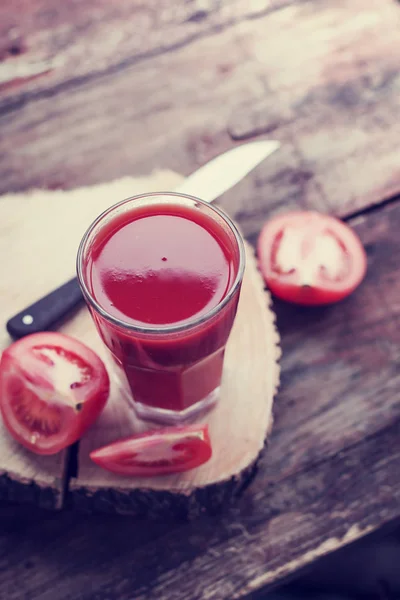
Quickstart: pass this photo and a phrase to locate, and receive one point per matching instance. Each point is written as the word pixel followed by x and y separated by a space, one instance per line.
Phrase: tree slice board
pixel 238 425
pixel 45 228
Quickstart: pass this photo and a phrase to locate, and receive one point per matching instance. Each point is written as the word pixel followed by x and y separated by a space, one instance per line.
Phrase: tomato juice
pixel 161 274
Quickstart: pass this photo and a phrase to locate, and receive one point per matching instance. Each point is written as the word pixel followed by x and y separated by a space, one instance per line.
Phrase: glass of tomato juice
pixel 161 274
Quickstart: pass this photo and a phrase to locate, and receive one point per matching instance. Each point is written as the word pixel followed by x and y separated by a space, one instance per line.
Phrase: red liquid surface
pixel 163 266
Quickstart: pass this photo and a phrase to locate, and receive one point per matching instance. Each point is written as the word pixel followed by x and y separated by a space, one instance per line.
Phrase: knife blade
pixel 226 170
pixel 208 183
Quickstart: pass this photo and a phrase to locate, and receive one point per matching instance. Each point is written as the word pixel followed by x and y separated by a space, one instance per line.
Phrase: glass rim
pixel 159 329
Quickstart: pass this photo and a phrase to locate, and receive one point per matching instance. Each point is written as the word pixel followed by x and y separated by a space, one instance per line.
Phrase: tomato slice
pixel 52 388
pixel 310 258
pixel 158 452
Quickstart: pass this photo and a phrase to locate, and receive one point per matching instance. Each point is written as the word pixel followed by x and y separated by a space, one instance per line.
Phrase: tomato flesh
pixel 310 258
pixel 52 388
pixel 158 452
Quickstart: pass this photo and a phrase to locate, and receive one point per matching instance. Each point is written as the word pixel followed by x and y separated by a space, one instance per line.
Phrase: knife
pixel 208 183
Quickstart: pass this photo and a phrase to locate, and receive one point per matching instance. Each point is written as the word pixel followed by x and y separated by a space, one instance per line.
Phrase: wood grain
pixel 64 45
pixel 238 425
pixel 334 105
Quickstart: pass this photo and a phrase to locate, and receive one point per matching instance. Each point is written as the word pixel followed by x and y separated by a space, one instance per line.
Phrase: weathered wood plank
pixel 335 105
pixel 273 533
pixel 46 47
pixel 332 74
pixel 330 474
pixel 353 348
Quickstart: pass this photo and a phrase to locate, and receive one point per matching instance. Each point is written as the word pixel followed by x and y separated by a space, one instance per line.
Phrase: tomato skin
pixel 174 450
pixel 27 389
pixel 320 290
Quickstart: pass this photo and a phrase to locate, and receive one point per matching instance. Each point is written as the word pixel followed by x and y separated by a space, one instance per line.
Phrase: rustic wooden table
pixel 97 90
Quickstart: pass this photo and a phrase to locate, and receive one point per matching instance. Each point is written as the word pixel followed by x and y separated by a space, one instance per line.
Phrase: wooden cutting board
pixel 39 235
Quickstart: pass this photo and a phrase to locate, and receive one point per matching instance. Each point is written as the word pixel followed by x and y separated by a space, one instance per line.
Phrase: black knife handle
pixel 46 312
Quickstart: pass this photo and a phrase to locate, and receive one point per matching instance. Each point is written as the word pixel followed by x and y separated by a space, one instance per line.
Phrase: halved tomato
pixel 310 258
pixel 158 452
pixel 52 388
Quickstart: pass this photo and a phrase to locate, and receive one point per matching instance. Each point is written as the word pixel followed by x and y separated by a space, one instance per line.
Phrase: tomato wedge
pixel 158 452
pixel 52 388
pixel 310 258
